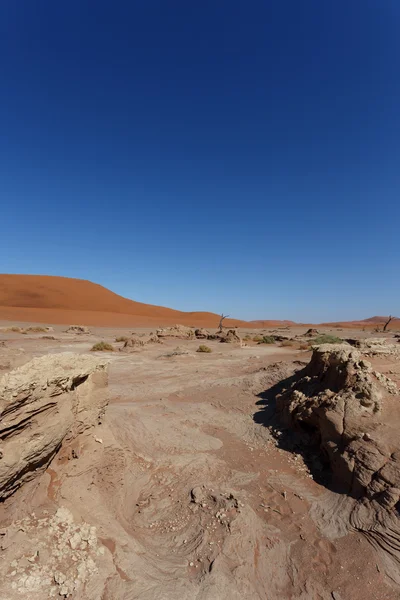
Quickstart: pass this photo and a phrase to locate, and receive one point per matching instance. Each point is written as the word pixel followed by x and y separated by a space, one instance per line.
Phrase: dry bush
pixel 203 348
pixel 267 339
pixel 15 329
pixel 257 338
pixel 304 346
pixel 102 347
pixel 36 329
pixel 121 338
pixel 287 343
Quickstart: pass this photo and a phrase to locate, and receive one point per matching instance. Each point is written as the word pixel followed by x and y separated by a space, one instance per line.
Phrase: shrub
pixel 304 346
pixel 257 338
pixel 287 343
pixel 247 338
pixel 266 339
pixel 121 338
pixel 203 348
pixel 102 347
pixel 327 339
pixel 37 329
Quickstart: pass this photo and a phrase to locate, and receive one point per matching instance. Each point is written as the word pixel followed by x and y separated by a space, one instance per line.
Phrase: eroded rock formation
pixel 311 332
pixel 338 400
pixel 375 346
pixel 202 334
pixel 231 337
pixel 42 403
pixel 77 329
pixel 137 342
pixel 176 331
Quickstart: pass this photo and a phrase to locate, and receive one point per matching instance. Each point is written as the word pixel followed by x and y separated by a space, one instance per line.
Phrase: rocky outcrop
pixel 46 401
pixel 343 414
pixel 231 337
pixel 375 346
pixel 78 329
pixel 337 400
pixel 137 342
pixel 176 331
pixel 202 334
pixel 311 332
pixel 281 338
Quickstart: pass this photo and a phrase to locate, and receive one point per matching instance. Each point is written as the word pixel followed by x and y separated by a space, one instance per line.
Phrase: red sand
pixel 62 300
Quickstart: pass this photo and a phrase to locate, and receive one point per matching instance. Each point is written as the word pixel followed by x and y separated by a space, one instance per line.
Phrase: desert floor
pixel 191 494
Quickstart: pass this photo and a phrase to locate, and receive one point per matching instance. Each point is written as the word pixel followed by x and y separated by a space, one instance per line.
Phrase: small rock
pixel 33 558
pixel 64 591
pixel 75 541
pixel 59 577
pixel 63 515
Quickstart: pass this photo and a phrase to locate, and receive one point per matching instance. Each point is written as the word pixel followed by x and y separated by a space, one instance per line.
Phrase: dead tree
pixel 220 327
pixel 387 323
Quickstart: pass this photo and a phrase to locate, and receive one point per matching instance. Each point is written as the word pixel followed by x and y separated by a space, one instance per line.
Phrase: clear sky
pixel 220 155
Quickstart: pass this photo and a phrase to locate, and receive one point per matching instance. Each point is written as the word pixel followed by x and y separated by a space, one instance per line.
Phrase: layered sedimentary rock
pixel 46 401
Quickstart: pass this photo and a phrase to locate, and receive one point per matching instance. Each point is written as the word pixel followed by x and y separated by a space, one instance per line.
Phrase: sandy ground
pixel 191 495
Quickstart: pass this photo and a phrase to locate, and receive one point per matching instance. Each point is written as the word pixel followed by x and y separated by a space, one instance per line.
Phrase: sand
pixel 191 495
pixel 48 299
pixel 63 300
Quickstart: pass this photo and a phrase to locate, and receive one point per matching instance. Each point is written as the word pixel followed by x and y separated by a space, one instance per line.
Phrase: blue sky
pixel 225 156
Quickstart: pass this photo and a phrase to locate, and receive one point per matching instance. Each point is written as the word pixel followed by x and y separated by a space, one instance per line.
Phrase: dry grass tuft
pixel 266 339
pixel 102 347
pixel 304 346
pixel 203 348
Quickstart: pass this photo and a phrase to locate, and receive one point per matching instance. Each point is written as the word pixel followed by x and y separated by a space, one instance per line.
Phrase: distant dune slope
pixel 45 298
pixel 260 324
pixel 367 324
pixel 63 300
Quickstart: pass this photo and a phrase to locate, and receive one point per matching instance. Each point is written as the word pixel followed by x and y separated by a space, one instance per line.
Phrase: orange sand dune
pixel 367 324
pixel 260 324
pixel 62 300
